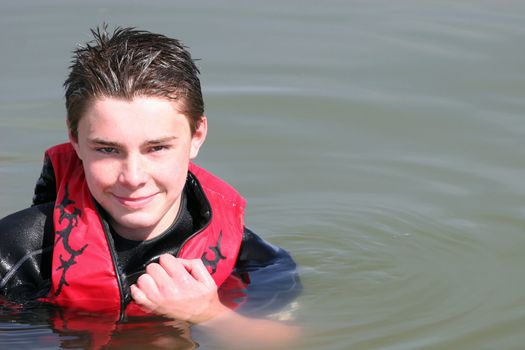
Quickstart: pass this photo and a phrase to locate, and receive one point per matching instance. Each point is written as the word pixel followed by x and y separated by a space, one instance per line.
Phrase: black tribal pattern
pixel 218 255
pixel 63 235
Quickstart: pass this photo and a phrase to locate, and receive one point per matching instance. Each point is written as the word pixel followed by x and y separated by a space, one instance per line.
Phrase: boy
pixel 122 221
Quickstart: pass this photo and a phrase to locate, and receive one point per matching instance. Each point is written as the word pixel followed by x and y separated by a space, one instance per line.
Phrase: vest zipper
pixel 193 235
pixel 114 259
pixel 193 178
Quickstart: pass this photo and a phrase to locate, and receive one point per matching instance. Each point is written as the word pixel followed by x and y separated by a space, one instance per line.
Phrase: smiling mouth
pixel 135 202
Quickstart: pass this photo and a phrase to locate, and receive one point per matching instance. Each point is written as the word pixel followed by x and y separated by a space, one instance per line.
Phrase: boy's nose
pixel 133 173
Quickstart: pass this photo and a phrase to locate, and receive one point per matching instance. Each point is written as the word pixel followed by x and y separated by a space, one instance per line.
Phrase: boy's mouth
pixel 135 202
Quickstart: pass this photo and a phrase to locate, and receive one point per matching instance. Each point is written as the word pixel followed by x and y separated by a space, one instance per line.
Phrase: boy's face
pixel 135 156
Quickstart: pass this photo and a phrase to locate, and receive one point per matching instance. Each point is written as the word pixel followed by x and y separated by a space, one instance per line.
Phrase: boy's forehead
pixel 143 113
pixel 150 104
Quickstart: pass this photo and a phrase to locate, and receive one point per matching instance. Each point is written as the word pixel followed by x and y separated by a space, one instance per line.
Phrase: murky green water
pixel 381 142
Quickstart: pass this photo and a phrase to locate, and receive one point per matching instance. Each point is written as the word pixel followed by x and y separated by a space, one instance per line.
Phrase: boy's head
pixel 132 63
pixel 135 118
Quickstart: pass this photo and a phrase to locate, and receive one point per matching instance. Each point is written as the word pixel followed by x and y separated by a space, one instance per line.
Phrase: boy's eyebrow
pixel 160 140
pixel 103 142
pixel 147 143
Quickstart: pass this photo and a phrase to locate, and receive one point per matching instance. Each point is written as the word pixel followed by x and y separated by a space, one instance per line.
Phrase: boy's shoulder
pixel 27 222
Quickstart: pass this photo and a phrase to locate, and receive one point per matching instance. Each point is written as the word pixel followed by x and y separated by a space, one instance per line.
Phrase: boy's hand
pixel 178 288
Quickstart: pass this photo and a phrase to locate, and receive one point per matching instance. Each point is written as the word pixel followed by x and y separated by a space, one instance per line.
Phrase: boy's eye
pixel 106 150
pixel 158 148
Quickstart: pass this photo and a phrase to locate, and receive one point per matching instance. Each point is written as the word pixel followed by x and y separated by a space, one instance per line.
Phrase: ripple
pixel 392 274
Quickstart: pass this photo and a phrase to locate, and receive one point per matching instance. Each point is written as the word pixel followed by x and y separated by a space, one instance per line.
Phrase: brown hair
pixel 131 63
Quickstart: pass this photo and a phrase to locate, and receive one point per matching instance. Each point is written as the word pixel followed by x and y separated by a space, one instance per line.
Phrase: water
pixel 381 142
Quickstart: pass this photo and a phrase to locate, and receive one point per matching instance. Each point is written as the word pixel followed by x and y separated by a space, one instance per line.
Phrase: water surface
pixel 381 142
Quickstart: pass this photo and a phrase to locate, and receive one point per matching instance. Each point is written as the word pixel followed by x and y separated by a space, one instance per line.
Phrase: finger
pixel 196 268
pixel 175 269
pixel 159 275
pixel 148 286
pixel 140 298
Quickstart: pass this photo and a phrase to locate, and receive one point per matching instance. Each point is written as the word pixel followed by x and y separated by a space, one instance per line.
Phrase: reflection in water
pixel 51 327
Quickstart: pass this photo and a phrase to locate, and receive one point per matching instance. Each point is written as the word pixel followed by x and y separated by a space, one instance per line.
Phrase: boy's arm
pixel 26 244
pixel 271 273
pixel 172 285
pixel 184 290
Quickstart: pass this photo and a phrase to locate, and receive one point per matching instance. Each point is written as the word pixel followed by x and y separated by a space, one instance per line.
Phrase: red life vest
pixel 84 273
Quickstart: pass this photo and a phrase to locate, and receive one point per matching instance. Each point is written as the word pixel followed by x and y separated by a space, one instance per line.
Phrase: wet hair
pixel 132 63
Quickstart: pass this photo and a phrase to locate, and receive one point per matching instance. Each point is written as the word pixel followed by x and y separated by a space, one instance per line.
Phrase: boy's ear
pixel 198 137
pixel 73 140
